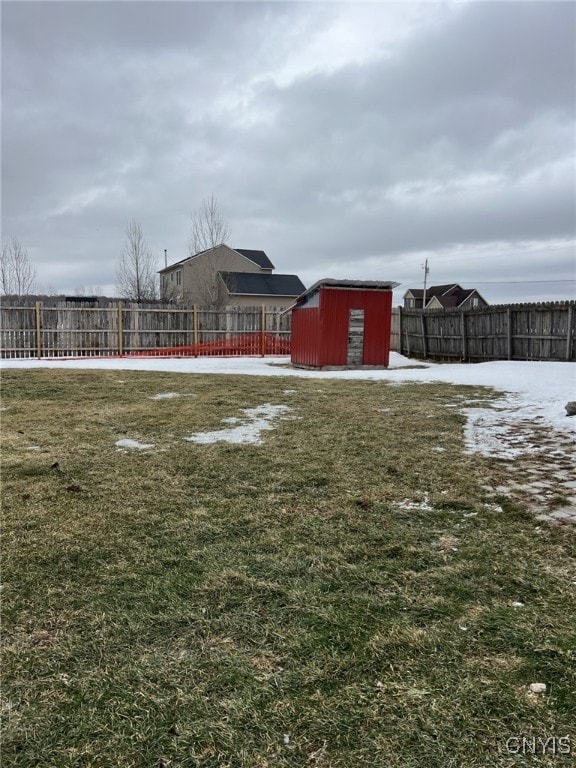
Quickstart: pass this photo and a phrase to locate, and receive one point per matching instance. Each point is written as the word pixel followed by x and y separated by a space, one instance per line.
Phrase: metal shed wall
pixel 306 336
pixel 320 335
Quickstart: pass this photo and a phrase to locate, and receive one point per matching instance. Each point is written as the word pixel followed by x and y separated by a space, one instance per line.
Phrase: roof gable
pixel 258 257
pixel 453 298
pixel 432 290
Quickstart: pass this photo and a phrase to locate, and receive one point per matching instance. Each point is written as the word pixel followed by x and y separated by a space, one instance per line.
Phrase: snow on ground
pixel 526 425
pixel 133 444
pixel 170 395
pixel 256 421
pixel 535 392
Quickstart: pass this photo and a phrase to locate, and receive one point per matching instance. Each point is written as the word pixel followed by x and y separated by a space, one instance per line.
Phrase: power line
pixel 464 260
pixel 489 254
pixel 520 282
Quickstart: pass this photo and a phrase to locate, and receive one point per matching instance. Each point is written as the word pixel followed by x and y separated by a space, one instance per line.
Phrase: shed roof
pixel 262 284
pixel 328 282
pixel 360 285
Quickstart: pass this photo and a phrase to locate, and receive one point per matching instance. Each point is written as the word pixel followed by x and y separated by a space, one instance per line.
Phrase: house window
pixel 474 301
pixel 179 277
pixel 410 302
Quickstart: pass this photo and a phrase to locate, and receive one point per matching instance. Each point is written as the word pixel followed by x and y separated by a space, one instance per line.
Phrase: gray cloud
pixel 456 135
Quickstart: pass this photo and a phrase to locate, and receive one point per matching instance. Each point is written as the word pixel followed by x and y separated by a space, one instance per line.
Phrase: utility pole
pixel 426 270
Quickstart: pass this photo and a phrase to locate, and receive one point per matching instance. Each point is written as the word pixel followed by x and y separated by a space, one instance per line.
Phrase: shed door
pixel 355 336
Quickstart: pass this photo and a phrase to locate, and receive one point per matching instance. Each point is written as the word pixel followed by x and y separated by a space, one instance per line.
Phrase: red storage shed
pixel 342 324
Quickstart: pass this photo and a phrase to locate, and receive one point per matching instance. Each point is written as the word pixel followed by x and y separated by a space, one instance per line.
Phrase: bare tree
pixel 136 271
pixel 208 227
pixel 17 275
pixel 88 290
pixel 209 230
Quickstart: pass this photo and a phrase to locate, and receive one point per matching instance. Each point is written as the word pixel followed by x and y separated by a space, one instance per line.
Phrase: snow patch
pixel 170 395
pixel 510 428
pixel 257 420
pixel 410 505
pixel 33 448
pixel 536 391
pixel 133 444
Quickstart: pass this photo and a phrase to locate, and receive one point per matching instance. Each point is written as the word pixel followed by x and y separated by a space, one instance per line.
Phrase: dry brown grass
pixel 192 605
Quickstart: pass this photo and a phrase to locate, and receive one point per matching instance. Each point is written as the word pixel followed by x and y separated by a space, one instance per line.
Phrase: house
pixel 450 296
pixel 225 276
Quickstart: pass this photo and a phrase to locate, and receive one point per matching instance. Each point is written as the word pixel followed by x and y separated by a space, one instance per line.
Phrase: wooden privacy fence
pixel 65 330
pixel 511 332
pixel 395 330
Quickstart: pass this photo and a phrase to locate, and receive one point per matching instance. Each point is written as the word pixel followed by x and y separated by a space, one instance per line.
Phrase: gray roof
pixel 258 257
pixel 363 285
pixel 262 284
pixel 432 290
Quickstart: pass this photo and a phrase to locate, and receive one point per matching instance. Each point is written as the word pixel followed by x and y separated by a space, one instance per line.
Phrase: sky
pixel 347 140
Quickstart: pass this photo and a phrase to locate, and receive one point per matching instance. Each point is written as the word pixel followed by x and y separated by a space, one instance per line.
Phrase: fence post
pixel 195 322
pixel 424 340
pixel 509 332
pixel 569 333
pixel 464 339
pixel 39 329
pixel 120 330
pixel 400 330
pixel 263 332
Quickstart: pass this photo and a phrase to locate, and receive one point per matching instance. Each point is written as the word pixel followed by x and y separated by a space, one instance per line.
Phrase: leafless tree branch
pixel 209 230
pixel 136 271
pixel 17 275
pixel 208 227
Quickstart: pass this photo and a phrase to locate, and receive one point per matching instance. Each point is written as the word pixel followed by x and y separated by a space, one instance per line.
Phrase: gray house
pixel 225 276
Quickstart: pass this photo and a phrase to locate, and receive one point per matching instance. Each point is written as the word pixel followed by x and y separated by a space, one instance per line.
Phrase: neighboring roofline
pixel 176 264
pixel 469 293
pixel 277 295
pixel 430 288
pixel 238 293
pixel 272 268
pixel 474 290
pixel 454 285
pixel 200 253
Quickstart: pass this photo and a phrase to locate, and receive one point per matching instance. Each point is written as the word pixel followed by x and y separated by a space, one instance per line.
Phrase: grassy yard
pixel 339 596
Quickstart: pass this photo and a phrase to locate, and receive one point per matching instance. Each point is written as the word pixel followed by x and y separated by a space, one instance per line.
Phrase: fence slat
pixel 63 329
pixel 509 332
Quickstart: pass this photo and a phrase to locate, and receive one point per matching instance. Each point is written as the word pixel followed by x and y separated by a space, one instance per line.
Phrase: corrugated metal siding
pixel 335 306
pixel 305 336
pixel 320 336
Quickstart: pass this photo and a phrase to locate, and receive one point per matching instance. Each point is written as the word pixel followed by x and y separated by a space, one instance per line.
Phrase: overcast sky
pixel 346 140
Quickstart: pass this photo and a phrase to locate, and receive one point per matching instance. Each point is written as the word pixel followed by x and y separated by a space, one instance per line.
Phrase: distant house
pixel 444 297
pixel 223 276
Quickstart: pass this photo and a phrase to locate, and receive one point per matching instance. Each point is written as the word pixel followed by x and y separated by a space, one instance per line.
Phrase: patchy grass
pixel 340 596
